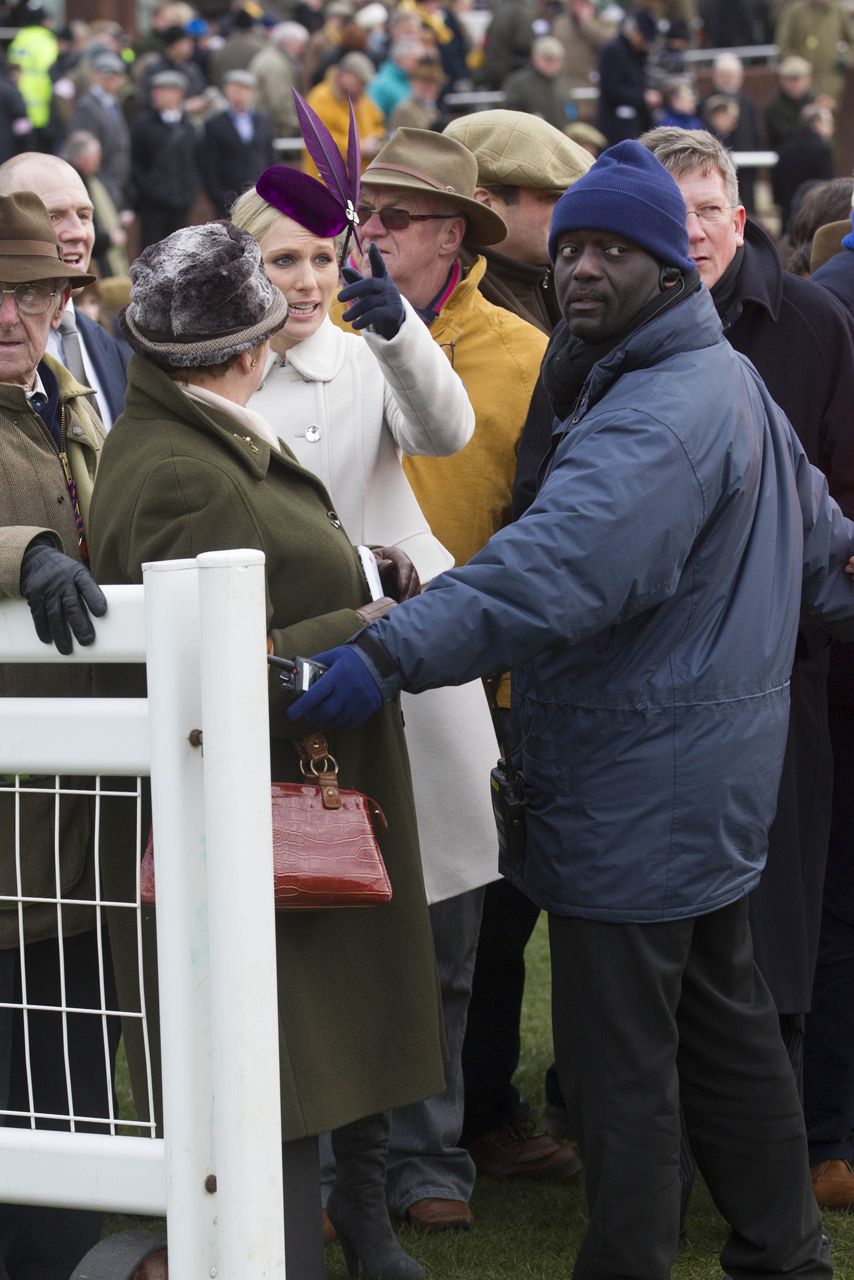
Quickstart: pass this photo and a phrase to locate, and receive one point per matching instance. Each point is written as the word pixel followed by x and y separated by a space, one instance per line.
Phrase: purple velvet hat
pixel 324 208
pixel 303 198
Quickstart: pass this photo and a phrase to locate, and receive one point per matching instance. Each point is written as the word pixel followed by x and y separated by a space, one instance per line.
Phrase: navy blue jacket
pixel 648 604
pixel 110 358
pixel 837 276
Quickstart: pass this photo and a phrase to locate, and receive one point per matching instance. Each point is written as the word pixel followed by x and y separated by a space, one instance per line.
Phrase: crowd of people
pixel 594 420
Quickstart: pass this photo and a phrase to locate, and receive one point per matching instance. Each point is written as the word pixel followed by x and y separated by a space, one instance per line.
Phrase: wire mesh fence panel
pixel 60 1015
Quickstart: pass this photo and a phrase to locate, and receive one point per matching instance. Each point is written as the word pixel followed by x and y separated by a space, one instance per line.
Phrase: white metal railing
pixel 216 1174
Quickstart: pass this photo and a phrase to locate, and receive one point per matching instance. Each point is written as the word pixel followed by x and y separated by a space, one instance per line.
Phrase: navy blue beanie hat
pixel 629 192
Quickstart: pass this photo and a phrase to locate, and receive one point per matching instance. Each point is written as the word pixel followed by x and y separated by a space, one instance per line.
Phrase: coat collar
pixel 688 326
pixel 72 394
pixel 151 393
pixel 319 358
pixel 455 313
pixel 760 280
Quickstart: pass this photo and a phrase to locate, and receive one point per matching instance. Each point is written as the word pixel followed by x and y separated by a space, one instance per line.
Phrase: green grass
pixel 531 1231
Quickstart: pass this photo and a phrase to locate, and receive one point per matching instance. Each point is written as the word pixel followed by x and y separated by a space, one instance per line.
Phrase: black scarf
pixel 569 360
pixel 724 292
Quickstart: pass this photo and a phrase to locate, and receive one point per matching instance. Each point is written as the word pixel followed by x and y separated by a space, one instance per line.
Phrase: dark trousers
pixel 38 1243
pixel 492 1043
pixel 829 1050
pixel 648 1016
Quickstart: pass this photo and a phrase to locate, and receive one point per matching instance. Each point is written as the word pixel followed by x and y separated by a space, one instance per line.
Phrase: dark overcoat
pixel 164 162
pixel 359 1017
pixel 788 326
pixel 623 112
pixel 228 164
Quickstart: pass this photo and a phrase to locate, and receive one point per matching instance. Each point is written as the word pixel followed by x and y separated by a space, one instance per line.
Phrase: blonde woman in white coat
pixel 348 407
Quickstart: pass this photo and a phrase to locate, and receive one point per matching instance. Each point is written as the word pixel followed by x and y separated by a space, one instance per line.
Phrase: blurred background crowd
pixel 169 111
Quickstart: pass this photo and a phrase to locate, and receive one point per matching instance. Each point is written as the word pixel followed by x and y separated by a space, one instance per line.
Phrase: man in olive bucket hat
pixel 49 447
pixel 418 208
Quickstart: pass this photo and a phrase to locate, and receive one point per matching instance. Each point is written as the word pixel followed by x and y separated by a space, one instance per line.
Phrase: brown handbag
pixel 325 850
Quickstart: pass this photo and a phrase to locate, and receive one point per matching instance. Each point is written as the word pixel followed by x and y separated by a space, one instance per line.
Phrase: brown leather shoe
pixel 833 1184
pixel 329 1232
pixel 521 1151
pixel 440 1215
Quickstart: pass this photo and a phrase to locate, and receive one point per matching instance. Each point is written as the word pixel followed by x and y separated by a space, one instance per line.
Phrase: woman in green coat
pixel 187 468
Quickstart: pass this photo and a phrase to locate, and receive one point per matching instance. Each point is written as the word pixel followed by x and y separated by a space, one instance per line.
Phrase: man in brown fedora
pixel 50 440
pixel 418 207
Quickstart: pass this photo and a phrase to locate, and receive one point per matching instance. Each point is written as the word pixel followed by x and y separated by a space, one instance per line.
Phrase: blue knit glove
pixel 61 593
pixel 375 298
pixel 345 696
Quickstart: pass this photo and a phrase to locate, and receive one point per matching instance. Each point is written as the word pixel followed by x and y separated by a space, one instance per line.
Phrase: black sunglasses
pixel 398 219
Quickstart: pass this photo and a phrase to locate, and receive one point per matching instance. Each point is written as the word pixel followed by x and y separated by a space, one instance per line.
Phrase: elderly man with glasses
pixel 50 441
pixel 800 340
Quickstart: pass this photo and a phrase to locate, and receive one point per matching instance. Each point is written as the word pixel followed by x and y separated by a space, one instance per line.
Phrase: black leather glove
pixel 397 573
pixel 375 298
pixel 61 593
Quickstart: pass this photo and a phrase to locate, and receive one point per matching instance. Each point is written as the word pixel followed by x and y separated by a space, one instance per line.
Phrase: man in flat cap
pixel 648 603
pixel 418 208
pixel 237 144
pixel 49 447
pixel 524 165
pixel 164 157
pixel 99 112
pixel 539 88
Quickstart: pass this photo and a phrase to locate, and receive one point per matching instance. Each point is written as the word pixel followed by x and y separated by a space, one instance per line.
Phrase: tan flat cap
pixel 794 66
pixel 516 149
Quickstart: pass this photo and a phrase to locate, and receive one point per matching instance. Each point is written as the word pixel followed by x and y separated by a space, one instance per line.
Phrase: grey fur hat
pixel 199 297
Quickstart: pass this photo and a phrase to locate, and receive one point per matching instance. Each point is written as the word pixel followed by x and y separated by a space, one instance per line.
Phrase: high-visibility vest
pixel 35 50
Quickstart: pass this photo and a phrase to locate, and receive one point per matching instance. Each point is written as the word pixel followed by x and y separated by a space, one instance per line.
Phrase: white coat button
pixel 312 433
pixel 77 431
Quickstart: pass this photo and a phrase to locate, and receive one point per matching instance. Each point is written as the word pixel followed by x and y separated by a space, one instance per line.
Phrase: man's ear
pixel 60 307
pixel 453 234
pixel 668 277
pixel 487 197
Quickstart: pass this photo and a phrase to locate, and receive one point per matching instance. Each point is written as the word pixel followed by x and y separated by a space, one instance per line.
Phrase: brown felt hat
pixel 516 149
pixel 827 242
pixel 29 249
pixel 420 160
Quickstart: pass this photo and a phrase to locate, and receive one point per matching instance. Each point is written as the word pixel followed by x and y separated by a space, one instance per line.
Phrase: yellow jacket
pixel 335 114
pixel 467 497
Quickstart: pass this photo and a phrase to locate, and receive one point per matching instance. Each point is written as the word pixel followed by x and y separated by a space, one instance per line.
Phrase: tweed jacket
pixel 34 499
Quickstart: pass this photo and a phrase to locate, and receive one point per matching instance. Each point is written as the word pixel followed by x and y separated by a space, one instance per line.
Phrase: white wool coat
pixel 348 407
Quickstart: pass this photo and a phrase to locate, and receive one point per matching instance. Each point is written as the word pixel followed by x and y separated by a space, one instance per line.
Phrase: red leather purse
pixel 325 850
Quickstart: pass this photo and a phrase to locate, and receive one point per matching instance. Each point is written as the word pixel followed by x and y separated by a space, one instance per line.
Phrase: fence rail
pixel 216 1174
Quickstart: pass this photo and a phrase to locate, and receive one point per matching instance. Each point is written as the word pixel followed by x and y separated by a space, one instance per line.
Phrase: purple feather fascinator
pixel 343 181
pixel 303 198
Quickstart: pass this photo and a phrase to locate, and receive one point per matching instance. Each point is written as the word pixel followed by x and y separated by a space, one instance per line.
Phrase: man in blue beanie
pixel 648 604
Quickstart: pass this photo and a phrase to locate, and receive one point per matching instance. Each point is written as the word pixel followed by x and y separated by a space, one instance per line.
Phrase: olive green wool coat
pixel 359 1014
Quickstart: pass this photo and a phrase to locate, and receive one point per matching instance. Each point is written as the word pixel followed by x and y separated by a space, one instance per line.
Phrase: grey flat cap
pixel 169 80
pixel 240 77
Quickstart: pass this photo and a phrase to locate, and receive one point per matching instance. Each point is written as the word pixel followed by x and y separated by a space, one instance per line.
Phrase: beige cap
pixel 548 47
pixel 585 134
pixel 358 64
pixel 516 149
pixel 794 66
